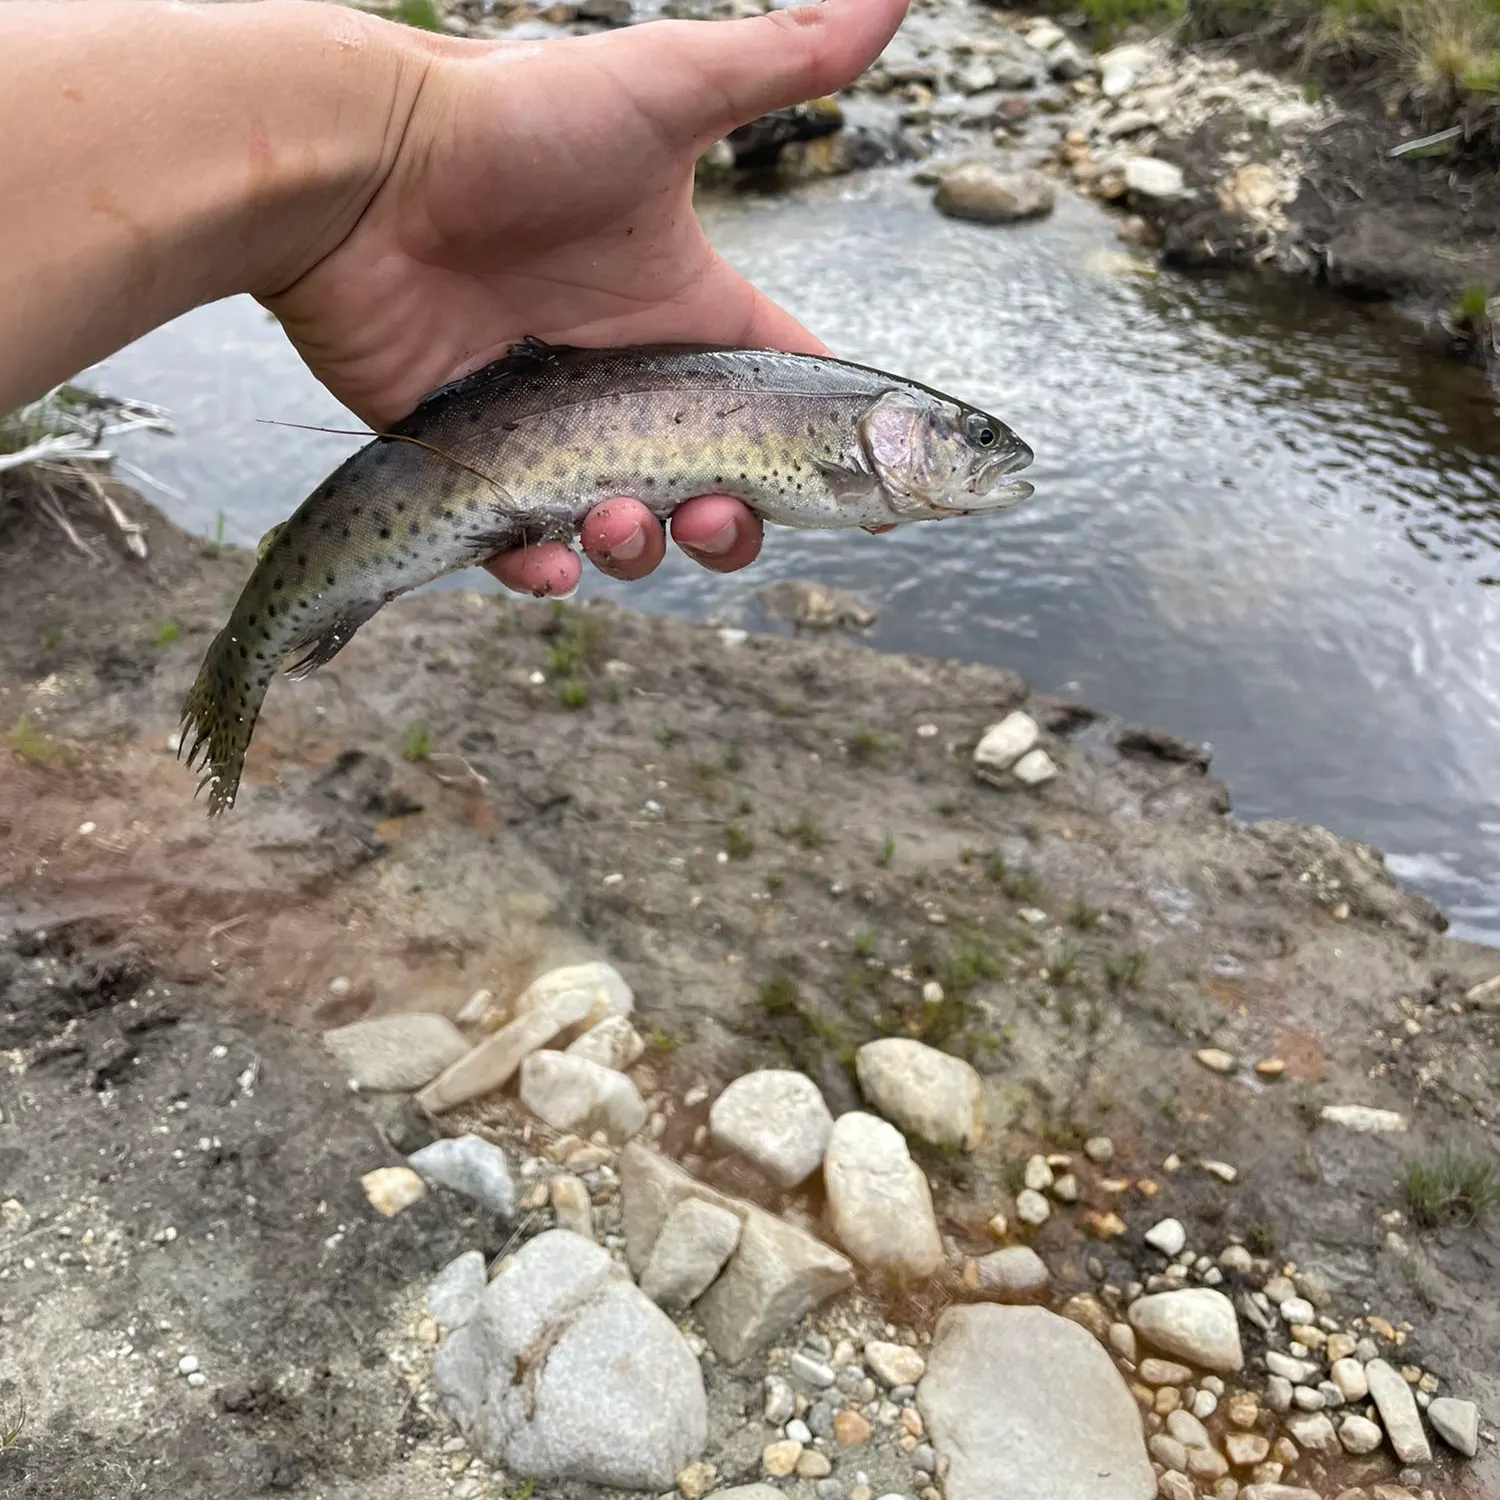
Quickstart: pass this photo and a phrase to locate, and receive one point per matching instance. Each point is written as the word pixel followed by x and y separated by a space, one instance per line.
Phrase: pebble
pixel 811 1371
pixel 1015 1272
pixel 1003 744
pixel 1038 1174
pixel 696 1481
pixel 1313 1430
pixel 1163 1372
pixel 1166 1450
pixel 471 1166
pixel 572 1093
pixel 1099 1148
pixel 1279 1393
pixel 850 1429
pixel 1122 1340
pixel 1308 1398
pixel 781 1401
pixel 187 1364
pixel 1168 1236
pixel 894 1364
pixel 197 1380
pixel 1205 1404
pixel 1298 1371
pixel 1031 1207
pixel 1197 1324
pixel 925 1092
pixel 798 1431
pixel 778 1119
pixel 1236 1258
pixel 392 1189
pixel 780 1459
pixel 1172 1485
pixel 1456 1422
pixel 1349 1376
pixel 1297 1310
pixel 397 1051
pixel 607 991
pixel 1398 1411
pixel 814 1465
pixel 1036 767
pixel 1149 178
pixel 879 1202
pixel 613 1043
pixel 1270 1067
pixel 1188 1430
pixel 1245 1449
pixel 1363 1118
pixel 1360 1435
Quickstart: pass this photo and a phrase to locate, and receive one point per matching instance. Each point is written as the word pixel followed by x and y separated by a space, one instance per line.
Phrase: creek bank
pixel 1077 945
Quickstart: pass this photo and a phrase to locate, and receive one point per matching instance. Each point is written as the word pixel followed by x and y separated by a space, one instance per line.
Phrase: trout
pixel 519 452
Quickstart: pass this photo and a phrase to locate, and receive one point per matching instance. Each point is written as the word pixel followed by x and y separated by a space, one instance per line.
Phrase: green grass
pixel 422 14
pixel 779 995
pixel 1260 1239
pixel 1019 885
pixel 864 942
pixel 572 694
pixel 1472 308
pixel 1063 965
pixel 806 832
pixel 12 1423
pixel 867 745
pixel 577 640
pixel 734 757
pixel 164 632
pixel 667 735
pixel 663 1041
pixel 1126 972
pixel 737 843
pixel 887 852
pixel 31 742
pixel 416 741
pixel 1450 1188
pixel 1082 916
pixel 51 637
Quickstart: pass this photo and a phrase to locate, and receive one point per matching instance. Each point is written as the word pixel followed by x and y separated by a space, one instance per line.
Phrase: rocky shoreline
pixel 607 1055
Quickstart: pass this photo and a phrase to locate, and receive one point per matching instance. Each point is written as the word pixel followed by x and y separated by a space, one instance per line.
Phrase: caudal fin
pixel 218 718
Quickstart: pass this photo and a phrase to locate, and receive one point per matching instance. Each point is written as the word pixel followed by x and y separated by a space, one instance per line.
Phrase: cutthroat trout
pixel 519 452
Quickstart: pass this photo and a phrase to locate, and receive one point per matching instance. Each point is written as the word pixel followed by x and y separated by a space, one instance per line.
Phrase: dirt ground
pixel 776 840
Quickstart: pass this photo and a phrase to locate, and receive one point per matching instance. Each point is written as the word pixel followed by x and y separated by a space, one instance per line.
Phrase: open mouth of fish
pixel 1001 496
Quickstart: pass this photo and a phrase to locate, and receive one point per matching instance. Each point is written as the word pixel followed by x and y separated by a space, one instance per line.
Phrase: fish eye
pixel 982 432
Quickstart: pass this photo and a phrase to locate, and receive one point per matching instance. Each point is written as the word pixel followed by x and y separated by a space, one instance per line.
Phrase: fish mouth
pixel 982 494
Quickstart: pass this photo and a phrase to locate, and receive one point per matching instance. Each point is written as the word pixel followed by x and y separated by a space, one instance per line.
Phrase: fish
pixel 518 452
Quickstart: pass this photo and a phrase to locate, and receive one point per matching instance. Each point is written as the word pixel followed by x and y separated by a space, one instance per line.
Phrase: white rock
pixel 694 1243
pixel 1168 1236
pixel 1362 1118
pixel 567 1371
pixel 1010 1274
pixel 1298 1371
pixel 1349 1376
pixel 1045 35
pixel 1456 1422
pixel 1160 1371
pixel 1038 1174
pixel 493 1062
pixel 470 1165
pixel 1120 68
pixel 777 1118
pixel 1197 1324
pixel 895 1364
pixel 392 1189
pixel 1297 1310
pixel 1035 768
pixel 1360 1435
pixel 1398 1411
pixel 571 1206
pixel 396 1052
pixel 609 994
pixel 454 1294
pixel 1003 744
pixel 1150 178
pixel 571 1093
pixel 1313 1431
pixel 1022 1402
pixel 613 1043
pixel 878 1199
pixel 1485 995
pixel 926 1092
pixel 1031 1207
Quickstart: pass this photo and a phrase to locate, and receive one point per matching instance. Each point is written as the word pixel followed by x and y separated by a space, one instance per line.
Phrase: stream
pixel 1263 519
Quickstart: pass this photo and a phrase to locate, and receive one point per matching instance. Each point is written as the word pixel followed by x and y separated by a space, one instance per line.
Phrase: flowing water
pixel 1264 521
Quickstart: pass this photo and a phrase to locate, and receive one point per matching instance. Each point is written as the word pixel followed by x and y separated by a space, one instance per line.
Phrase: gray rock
pixel 781 1401
pixel 1196 1324
pixel 1014 1273
pixel 1360 1435
pixel 1147 177
pixel 898 1365
pixel 567 1371
pixel 613 1043
pixel 1168 1236
pixel 1456 1422
pixel 990 194
pixel 1004 743
pixel 1045 35
pixel 1020 1401
pixel 1298 1371
pixel 1065 62
pixel 1120 68
pixel 1128 122
pixel 494 1061
pixel 1032 1207
pixel 396 1052
pixel 470 1165
pixel 454 1294
pixel 878 1199
pixel 1397 1406
pixel 1312 1430
pixel 1278 1492
pixel 1349 1376
pixel 1363 1118
pixel 608 993
pixel 1034 768
pixel 924 1091
pixel 572 1093
pixel 776 1118
pixel 750 1492
pixel 690 1251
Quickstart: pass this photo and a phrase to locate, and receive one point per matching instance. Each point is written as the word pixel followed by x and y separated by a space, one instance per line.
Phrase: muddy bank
pixel 780 843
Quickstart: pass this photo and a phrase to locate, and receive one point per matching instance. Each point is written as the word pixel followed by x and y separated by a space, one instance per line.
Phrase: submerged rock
pixel 989 194
pixel 1023 1402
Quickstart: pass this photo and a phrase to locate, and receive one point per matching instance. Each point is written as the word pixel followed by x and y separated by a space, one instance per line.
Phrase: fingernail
pixel 629 549
pixel 716 543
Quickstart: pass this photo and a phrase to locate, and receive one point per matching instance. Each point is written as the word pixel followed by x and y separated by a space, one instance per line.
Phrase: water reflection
pixel 1260 521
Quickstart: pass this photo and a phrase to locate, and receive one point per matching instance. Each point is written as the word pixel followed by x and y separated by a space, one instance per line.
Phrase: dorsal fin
pixel 524 356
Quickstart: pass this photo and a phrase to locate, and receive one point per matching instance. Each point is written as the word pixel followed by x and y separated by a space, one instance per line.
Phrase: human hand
pixel 546 189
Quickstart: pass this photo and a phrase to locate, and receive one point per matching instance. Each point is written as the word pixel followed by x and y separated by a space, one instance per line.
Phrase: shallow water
pixel 1264 521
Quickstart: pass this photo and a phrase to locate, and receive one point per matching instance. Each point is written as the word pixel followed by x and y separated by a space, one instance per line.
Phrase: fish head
pixel 936 457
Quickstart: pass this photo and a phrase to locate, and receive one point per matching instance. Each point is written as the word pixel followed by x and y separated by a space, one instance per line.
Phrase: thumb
pixel 710 77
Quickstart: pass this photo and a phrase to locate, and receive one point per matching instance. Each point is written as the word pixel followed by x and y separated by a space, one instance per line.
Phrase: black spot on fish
pixel 385 533
pixel 382 457
pixel 302 559
pixel 329 579
pixel 276 584
pixel 415 528
pixel 346 533
pixel 251 620
pixel 270 611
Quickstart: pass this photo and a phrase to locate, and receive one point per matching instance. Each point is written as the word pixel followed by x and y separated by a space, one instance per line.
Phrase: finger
pixel 548 570
pixel 622 538
pixel 718 532
pixel 747 68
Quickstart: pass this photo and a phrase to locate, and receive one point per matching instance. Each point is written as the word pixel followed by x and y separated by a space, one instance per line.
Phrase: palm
pixel 548 191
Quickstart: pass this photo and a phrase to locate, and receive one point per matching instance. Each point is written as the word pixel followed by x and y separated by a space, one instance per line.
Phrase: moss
pixel 577 640
pixel 887 852
pixel 870 745
pixel 416 741
pixel 164 632
pixel 422 14
pixel 737 843
pixel 1472 308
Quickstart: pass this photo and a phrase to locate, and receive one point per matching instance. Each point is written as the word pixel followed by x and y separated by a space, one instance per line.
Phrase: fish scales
pixel 518 454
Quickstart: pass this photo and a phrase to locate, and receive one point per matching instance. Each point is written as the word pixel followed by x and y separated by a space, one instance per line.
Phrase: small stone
pixel 1237 1259
pixel 454 1294
pixel 197 1380
pixel 1485 995
pixel 1307 1398
pixel 878 1198
pixel 1349 1376
pixel 572 1093
pixel 1168 1399
pixel 1147 177
pixel 697 1479
pixel 1166 1450
pixel 607 991
pixel 692 1248
pixel 1362 1118
pixel 397 1051
pixel 925 1092
pixel 1168 1236
pixel 1298 1371
pixel 1297 1310
pixel 1270 1067
pixel 1246 1449
pixel 1035 768
pixel 1456 1422
pixel 1272 1491
pixel 850 1429
pixel 781 1401
pixel 1398 1411
pixel 780 1459
pixel 187 1364
pixel 1038 1174
pixel 1010 1274
pixel 998 1226
pixel 814 1465
pixel 471 1166
pixel 1360 1435
pixel 1313 1431
pixel 1003 744
pixel 1205 1404
pixel 613 1043
pixel 1099 1148
pixel 1163 1372
pixel 1120 68
pixel 391 1189
pixel 811 1371
pixel 986 192
pixel 1206 1464
pixel 798 1431
pixel 1102 1226
pixel 1172 1485
pixel 1188 1430
pixel 894 1364
pixel 1216 1060
pixel 1279 1393
pixel 1122 1341
pixel 1032 1207
pixel 1085 1310
pixel 1197 1324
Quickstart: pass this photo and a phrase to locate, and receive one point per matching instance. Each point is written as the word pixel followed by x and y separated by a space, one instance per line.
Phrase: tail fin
pixel 220 713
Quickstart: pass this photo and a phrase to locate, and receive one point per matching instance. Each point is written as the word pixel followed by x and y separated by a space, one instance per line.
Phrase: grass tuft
pixel 806 832
pixel 416 741
pixel 164 632
pixel 1453 1187
pixel 737 843
pixel 31 742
